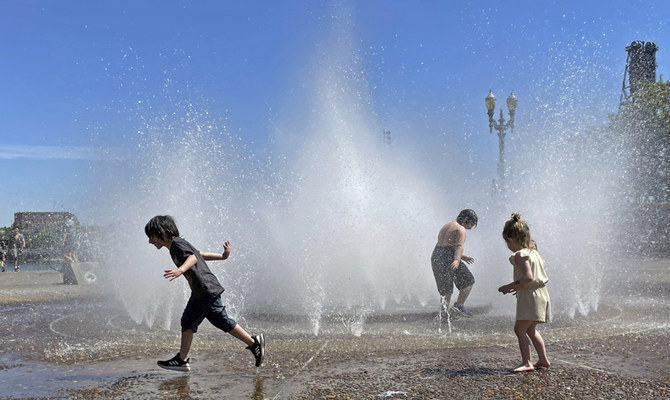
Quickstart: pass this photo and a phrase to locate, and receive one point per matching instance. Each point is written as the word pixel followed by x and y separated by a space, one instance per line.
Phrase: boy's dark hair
pixel 161 226
pixel 467 215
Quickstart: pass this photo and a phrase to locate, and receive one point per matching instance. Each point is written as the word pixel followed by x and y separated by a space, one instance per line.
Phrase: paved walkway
pixel 64 341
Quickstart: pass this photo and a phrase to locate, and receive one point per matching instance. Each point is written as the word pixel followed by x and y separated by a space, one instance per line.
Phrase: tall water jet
pixel 332 221
pixel 336 221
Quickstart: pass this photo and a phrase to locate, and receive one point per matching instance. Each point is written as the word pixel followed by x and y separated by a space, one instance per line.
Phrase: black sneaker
pixel 258 348
pixel 175 364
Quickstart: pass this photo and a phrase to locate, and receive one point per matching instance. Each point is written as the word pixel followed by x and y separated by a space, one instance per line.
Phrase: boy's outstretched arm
pixel 217 256
pixel 174 273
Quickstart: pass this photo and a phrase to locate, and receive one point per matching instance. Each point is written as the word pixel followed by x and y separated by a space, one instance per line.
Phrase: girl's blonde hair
pixel 518 229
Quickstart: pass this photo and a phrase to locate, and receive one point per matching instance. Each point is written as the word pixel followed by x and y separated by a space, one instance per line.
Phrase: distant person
pixel 532 298
pixel 448 262
pixel 2 259
pixel 16 245
pixel 69 243
pixel 205 300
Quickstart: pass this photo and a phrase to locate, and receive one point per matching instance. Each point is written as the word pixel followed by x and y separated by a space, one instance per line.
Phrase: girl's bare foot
pixel 524 368
pixel 539 365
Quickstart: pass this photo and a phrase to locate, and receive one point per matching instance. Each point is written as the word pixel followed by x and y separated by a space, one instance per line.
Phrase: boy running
pixel 205 300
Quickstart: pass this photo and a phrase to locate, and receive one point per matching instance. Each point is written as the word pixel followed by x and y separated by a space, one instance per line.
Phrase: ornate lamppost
pixel 501 126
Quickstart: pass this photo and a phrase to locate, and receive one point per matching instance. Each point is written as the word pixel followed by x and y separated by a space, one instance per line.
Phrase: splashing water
pixel 333 221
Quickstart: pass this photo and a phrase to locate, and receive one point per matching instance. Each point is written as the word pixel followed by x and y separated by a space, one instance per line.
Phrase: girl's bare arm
pixel 526 275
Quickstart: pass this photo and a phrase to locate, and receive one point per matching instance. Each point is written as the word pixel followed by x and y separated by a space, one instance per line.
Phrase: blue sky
pixel 78 76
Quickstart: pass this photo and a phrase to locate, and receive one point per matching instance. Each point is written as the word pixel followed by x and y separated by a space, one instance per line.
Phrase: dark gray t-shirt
pixel 202 281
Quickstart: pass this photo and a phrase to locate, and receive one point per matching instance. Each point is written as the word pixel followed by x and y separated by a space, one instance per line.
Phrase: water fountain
pixel 338 221
pixel 332 228
pixel 334 222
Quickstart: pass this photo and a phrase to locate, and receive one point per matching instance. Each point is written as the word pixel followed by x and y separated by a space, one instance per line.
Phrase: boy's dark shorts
pixel 197 310
pixel 445 277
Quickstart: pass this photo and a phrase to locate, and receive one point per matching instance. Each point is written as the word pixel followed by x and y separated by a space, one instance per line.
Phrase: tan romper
pixel 532 302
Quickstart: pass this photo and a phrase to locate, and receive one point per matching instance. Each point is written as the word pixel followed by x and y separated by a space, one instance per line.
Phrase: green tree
pixel 644 123
pixel 46 238
pixel 642 142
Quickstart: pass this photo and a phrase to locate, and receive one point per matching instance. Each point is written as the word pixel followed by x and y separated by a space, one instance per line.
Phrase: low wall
pixel 79 273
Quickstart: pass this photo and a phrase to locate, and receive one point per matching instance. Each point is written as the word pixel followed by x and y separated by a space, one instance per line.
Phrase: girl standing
pixel 532 298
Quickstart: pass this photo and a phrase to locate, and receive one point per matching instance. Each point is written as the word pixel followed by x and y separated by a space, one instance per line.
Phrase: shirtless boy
pixel 449 262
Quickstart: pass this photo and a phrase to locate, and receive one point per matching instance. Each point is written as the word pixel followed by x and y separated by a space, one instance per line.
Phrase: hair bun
pixel 516 216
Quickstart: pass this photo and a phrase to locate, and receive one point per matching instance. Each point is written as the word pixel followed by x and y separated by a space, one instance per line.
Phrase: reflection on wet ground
pixel 79 343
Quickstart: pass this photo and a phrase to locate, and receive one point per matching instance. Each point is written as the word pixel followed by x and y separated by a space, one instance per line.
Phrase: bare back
pixel 452 234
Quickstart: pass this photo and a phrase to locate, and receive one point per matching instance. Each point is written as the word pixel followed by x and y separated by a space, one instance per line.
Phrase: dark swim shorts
pixel 197 310
pixel 445 277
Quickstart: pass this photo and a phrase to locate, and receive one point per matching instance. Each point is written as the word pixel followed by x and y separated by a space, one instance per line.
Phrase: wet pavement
pixel 76 342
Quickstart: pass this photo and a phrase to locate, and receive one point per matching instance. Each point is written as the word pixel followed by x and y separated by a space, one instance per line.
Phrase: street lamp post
pixel 501 127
